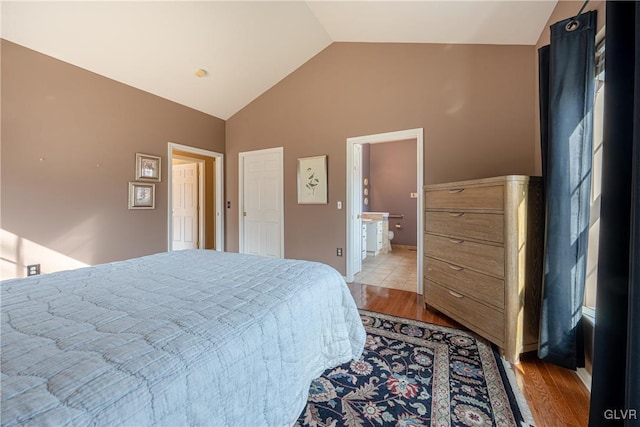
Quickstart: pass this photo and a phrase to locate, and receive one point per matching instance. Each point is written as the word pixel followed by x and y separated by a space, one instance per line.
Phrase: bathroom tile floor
pixel 396 269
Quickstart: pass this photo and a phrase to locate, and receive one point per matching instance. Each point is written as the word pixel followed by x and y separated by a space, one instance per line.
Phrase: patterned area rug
pixel 417 374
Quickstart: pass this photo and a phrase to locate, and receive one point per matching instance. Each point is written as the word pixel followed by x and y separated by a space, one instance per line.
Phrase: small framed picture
pixel 142 195
pixel 148 167
pixel 312 180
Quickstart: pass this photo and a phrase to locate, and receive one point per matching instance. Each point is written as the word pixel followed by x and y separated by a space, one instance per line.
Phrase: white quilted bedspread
pixel 197 338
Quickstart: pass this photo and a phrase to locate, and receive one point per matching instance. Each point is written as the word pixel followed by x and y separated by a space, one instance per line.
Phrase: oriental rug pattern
pixel 417 374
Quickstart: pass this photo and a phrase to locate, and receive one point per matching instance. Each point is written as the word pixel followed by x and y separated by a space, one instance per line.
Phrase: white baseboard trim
pixel 585 377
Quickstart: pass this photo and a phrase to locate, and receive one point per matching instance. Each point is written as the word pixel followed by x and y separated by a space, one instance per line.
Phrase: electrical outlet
pixel 33 269
pixel 339 251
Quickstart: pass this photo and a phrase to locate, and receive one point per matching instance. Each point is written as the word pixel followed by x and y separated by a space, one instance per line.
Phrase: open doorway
pixel 195 198
pixel 389 215
pixel 362 220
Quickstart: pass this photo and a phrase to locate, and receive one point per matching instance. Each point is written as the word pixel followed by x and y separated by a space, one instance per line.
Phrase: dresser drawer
pixel 485 320
pixel 465 198
pixel 483 226
pixel 484 288
pixel 482 257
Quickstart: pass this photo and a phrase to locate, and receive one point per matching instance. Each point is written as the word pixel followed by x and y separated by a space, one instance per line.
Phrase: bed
pixel 196 337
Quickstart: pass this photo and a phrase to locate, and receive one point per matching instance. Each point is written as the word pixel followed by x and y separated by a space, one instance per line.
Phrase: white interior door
pixel 261 203
pixel 185 206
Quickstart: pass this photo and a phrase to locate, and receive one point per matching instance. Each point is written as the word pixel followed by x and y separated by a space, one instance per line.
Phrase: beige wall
pixel 72 206
pixel 475 103
pixel 564 9
pixel 394 173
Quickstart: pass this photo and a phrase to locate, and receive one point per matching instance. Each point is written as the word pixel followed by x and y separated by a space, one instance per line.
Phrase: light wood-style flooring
pixel 555 395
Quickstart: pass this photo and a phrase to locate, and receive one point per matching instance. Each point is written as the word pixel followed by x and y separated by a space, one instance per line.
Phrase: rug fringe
pixel 520 399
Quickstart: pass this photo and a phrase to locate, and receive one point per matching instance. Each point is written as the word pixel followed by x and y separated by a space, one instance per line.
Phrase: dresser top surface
pixel 486 181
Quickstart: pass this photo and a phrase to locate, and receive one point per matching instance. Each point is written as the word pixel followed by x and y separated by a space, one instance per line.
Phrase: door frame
pixel 418 135
pixel 241 157
pixel 356 189
pixel 218 188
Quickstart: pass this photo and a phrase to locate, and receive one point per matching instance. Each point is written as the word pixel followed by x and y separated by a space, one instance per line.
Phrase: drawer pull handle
pixel 456 190
pixel 457 214
pixel 455 294
pixel 455 267
pixel 457 241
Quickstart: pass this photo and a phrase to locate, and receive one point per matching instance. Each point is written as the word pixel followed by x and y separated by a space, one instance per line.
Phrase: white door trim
pixel 357 212
pixel 219 188
pixel 418 135
pixel 202 209
pixel 241 157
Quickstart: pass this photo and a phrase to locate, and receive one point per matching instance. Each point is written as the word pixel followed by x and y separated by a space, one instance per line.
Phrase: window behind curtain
pixel 596 181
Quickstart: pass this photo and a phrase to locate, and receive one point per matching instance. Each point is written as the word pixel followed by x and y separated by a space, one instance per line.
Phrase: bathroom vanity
pixel 380 243
pixel 374 237
pixel 364 239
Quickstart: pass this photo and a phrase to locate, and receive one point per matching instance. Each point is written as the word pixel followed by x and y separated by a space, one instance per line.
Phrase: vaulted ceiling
pixel 246 47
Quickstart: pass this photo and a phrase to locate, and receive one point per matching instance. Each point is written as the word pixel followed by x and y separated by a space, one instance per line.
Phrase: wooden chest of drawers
pixel 483 257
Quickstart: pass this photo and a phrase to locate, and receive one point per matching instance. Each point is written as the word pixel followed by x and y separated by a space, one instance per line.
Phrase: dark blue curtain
pixel 615 389
pixel 566 103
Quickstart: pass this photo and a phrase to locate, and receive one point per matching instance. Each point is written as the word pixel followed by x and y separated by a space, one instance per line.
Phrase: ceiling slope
pixel 246 47
pixel 468 22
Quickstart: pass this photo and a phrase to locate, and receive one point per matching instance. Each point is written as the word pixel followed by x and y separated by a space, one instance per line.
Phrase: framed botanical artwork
pixel 148 167
pixel 312 180
pixel 142 195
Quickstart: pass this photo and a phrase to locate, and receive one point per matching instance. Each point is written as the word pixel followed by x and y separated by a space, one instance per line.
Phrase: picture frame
pixel 142 195
pixel 312 180
pixel 148 167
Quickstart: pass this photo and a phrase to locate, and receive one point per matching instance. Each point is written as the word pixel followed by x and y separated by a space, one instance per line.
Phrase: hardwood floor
pixel 555 395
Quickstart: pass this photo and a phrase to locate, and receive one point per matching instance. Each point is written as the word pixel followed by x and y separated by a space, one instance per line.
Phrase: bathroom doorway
pixel 389 215
pixel 383 199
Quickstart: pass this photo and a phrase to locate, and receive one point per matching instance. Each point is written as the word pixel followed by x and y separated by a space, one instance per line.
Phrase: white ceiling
pixel 246 47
